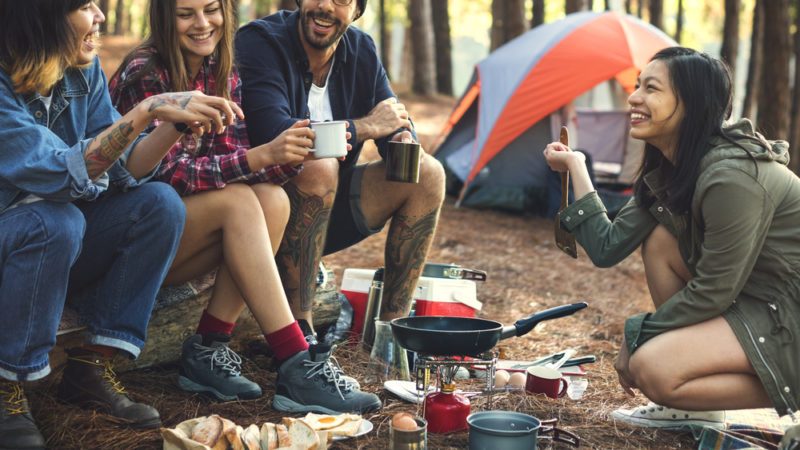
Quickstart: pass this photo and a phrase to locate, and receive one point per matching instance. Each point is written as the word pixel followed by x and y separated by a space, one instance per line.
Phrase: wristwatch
pixel 182 127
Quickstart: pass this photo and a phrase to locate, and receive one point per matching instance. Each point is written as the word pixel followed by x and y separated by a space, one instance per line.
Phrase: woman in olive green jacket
pixel 717 214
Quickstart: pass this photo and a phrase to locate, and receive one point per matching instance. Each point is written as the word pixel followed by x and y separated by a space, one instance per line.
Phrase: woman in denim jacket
pixel 76 215
pixel 716 211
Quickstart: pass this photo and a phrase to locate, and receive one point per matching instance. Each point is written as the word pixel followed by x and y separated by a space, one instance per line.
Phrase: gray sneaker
pixel 310 382
pixel 214 369
pixel 312 340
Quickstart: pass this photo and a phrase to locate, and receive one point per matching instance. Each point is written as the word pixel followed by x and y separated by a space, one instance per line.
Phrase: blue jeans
pixel 113 253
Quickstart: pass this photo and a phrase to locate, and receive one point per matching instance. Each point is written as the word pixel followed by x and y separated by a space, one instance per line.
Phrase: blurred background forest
pixel 431 46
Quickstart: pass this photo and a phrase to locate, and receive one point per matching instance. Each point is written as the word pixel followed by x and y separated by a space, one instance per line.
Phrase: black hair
pixel 702 86
pixel 37 41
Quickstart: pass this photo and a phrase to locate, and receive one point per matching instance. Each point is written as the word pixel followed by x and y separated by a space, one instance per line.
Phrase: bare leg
pixel 671 369
pixel 311 195
pixel 664 268
pixel 227 228
pixel 414 210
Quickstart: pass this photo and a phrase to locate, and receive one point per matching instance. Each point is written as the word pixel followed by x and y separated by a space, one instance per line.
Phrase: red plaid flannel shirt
pixel 198 163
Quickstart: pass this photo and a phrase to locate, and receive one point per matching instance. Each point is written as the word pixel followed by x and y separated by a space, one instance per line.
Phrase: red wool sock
pixel 210 324
pixel 287 341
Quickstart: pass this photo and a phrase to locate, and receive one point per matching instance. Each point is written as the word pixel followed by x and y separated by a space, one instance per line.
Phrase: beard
pixel 306 25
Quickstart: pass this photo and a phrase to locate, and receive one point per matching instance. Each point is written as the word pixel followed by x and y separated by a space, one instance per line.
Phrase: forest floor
pixel 526 274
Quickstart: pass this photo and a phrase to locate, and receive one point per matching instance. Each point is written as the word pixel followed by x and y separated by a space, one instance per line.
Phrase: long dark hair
pixel 37 43
pixel 164 38
pixel 701 84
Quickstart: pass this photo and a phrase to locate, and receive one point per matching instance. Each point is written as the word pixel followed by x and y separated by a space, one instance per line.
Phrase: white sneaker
pixel 657 416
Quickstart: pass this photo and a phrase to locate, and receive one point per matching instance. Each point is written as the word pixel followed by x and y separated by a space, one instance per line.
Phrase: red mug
pixel 545 380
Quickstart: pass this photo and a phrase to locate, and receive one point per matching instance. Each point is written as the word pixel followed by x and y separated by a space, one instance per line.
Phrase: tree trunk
pixel 441 34
pixel 773 103
pixel 607 5
pixel 103 5
pixel 386 38
pixel 679 22
pixel 730 35
pixel 419 17
pixel 794 160
pixel 537 13
pixel 628 7
pixel 287 4
pixel 119 18
pixel 571 6
pixel 657 13
pixel 752 88
pixel 508 21
pixel 640 8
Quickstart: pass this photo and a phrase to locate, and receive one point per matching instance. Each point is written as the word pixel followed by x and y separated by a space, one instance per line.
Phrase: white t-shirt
pixel 319 101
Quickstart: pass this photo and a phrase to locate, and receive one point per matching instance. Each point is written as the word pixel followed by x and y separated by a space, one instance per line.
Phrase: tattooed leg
pixel 99 157
pixel 302 246
pixel 406 248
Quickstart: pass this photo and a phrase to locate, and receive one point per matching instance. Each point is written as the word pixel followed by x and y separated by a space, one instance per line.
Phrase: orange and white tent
pixel 535 74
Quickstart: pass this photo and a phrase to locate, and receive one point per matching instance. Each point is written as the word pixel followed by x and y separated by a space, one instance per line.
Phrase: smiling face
pixel 656 111
pixel 85 21
pixel 323 22
pixel 199 24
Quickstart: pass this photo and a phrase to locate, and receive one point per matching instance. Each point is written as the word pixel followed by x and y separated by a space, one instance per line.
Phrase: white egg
pixel 517 380
pixel 500 379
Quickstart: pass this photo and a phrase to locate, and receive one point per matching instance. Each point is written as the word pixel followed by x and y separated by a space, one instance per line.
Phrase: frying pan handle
pixel 523 326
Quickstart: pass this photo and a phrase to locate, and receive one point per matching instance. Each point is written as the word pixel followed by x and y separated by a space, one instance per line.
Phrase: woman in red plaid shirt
pixel 236 210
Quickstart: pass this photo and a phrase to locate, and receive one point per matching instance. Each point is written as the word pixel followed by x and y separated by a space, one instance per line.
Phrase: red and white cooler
pixel 442 290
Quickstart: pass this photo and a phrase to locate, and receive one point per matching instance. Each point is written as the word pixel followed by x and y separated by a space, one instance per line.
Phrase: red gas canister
pixel 446 411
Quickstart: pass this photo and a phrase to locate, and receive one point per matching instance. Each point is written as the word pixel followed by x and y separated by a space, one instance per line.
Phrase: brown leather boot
pixel 89 381
pixel 17 428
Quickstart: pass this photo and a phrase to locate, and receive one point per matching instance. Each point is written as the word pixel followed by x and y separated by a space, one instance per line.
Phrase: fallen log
pixel 175 317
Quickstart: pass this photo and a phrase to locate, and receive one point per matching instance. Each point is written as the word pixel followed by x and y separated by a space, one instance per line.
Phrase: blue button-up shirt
pixel 41 151
pixel 276 79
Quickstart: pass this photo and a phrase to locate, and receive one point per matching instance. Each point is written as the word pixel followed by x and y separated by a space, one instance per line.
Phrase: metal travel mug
pixel 402 162
pixel 372 310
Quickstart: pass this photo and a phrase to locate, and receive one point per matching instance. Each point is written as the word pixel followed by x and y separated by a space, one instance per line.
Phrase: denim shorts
pixel 347 225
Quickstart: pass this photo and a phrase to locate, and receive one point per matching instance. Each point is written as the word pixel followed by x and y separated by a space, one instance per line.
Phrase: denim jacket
pixel 276 79
pixel 42 154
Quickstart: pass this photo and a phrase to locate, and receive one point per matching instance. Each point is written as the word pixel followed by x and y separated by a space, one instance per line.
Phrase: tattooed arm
pixel 201 112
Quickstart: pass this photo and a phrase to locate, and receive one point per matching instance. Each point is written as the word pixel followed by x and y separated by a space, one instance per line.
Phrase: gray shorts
pixel 347 225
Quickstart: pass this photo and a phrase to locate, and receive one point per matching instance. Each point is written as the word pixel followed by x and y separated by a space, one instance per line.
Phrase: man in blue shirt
pixel 310 63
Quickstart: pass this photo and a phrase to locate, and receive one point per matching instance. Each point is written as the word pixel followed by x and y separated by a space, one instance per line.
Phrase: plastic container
pixel 446 297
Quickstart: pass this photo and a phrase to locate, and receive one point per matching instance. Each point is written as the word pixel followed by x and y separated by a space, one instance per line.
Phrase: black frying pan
pixel 466 336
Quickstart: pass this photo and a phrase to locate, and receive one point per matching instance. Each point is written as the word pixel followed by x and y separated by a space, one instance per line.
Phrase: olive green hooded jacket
pixel 741 243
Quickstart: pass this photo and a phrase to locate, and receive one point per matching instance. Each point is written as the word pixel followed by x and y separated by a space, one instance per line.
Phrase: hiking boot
pixel 311 339
pixel 17 428
pixel 657 416
pixel 89 381
pixel 214 369
pixel 310 382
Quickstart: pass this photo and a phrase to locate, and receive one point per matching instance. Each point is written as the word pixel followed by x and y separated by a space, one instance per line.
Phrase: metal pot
pixel 511 430
pixel 465 336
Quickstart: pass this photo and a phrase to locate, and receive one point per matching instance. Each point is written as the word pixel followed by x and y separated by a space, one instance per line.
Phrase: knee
pixel 658 243
pixel 432 178
pixel 64 225
pixel 650 378
pixel 319 177
pixel 273 199
pixel 164 207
